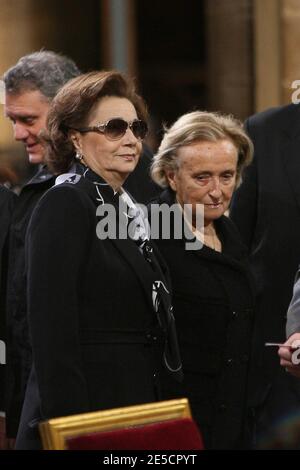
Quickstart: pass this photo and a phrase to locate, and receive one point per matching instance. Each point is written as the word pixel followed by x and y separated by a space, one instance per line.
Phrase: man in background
pixel 6 207
pixel 266 209
pixel 30 85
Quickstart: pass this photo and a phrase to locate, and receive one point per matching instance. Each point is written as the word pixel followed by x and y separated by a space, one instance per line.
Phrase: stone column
pixel 267 53
pixel 229 56
pixel 118 37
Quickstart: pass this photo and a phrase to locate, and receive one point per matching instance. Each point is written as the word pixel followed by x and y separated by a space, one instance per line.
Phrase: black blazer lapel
pixel 101 193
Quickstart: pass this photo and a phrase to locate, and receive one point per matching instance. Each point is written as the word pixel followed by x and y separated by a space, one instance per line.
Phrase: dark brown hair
pixel 72 107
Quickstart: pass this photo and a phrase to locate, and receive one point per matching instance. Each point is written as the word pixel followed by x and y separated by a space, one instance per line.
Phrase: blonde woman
pixel 200 162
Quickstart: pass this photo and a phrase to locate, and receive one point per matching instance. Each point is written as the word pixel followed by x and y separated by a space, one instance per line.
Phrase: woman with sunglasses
pixel 98 299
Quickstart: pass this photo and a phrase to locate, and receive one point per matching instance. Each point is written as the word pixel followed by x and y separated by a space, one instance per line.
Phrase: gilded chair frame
pixel 56 431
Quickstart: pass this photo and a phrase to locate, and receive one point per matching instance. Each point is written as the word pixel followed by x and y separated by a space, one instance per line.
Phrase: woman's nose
pixel 130 137
pixel 215 188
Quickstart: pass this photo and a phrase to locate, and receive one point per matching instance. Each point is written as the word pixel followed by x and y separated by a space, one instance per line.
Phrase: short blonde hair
pixel 200 126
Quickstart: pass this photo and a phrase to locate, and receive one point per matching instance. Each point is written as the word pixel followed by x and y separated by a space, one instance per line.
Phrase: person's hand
pixel 289 356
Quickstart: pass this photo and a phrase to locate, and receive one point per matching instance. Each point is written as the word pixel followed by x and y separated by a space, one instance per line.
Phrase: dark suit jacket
pixel 19 353
pixel 18 347
pixel 96 339
pixel 266 209
pixel 7 199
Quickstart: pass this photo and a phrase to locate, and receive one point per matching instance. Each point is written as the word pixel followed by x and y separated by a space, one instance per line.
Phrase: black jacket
pixel 213 298
pixel 266 209
pixel 96 339
pixel 18 347
pixel 7 199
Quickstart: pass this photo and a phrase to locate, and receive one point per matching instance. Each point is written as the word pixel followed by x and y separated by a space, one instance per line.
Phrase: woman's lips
pixel 127 156
pixel 214 206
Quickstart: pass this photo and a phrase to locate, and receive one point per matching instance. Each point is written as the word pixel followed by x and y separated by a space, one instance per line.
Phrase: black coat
pixel 7 199
pixel 96 339
pixel 19 356
pixel 213 300
pixel 266 209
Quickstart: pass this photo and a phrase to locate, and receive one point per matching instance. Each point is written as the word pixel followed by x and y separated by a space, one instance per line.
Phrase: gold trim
pixel 54 432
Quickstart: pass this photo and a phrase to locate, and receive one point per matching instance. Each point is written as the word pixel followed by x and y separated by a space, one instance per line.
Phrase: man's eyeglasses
pixel 115 128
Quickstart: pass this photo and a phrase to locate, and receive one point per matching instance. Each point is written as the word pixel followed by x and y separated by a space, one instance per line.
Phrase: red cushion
pixel 178 434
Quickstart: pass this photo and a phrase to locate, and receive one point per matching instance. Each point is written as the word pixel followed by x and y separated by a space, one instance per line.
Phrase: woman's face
pixel 111 159
pixel 206 175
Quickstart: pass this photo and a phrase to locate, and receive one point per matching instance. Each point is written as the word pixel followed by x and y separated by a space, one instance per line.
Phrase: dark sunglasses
pixel 115 128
